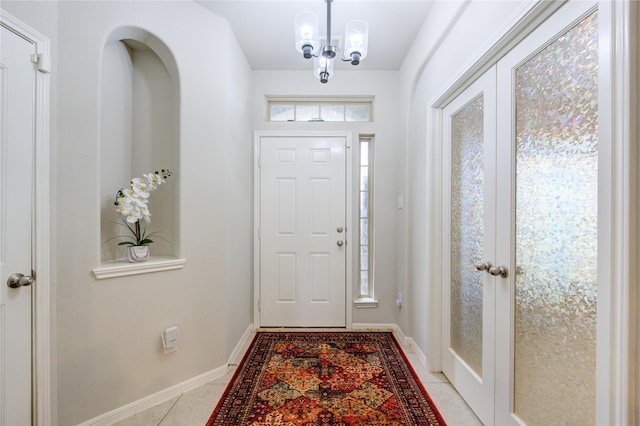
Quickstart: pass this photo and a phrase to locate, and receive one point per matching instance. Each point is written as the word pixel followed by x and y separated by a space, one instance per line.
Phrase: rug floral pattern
pixel 336 378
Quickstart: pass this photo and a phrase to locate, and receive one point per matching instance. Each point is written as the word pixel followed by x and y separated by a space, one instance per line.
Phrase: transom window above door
pixel 320 110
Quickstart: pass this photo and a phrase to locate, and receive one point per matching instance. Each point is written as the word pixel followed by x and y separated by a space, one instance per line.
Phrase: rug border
pixel 233 379
pixel 393 338
pixel 434 407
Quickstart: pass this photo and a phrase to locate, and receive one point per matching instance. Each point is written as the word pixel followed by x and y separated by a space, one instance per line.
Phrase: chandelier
pixel 308 43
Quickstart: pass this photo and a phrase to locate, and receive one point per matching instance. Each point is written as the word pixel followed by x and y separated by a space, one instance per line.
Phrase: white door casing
pixel 17 83
pixel 41 323
pixel 302 231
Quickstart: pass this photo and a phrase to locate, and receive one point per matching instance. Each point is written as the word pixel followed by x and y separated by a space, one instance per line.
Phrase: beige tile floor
pixel 193 408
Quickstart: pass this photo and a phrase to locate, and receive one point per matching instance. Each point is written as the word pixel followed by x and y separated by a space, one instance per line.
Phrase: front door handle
pixel 20 280
pixel 340 243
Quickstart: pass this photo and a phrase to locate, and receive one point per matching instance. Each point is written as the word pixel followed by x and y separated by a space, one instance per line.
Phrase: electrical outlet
pixel 399 300
pixel 170 339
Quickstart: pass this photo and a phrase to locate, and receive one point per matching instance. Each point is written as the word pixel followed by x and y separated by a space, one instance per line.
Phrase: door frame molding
pixel 43 321
pixel 616 392
pixel 257 137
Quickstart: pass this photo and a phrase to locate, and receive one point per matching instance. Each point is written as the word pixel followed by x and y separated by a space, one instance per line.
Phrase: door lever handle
pixel 20 280
pixel 483 266
pixel 499 270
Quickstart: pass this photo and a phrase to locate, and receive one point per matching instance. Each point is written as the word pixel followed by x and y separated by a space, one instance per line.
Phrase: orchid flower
pixel 132 202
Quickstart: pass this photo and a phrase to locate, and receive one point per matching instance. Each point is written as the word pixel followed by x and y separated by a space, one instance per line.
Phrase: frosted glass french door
pixel 524 232
pixel 548 176
pixel 469 299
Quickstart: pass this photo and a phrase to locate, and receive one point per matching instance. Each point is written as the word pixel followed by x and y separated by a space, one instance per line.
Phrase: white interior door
pixel 17 91
pixel 468 301
pixel 520 293
pixel 549 186
pixel 302 232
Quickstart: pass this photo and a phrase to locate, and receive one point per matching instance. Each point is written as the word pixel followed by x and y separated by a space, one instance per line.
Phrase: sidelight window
pixel 365 222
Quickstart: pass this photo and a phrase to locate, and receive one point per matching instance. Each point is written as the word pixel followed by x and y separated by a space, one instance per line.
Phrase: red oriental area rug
pixel 325 378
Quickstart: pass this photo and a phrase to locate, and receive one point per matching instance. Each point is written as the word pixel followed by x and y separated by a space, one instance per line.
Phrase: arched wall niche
pixel 139 133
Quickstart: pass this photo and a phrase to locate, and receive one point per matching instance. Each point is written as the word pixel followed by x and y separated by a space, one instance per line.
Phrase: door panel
pixel 302 205
pixel 17 89
pixel 468 300
pixel 553 243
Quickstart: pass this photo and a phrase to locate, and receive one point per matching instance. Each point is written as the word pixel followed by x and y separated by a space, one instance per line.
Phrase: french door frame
pixel 42 304
pixel 350 222
pixel 616 317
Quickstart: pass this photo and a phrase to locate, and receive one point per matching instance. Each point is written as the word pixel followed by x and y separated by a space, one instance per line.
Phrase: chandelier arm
pixel 340 54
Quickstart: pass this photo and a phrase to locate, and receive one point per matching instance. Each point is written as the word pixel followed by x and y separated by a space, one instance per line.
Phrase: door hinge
pixel 259 305
pixel 259 162
pixel 43 62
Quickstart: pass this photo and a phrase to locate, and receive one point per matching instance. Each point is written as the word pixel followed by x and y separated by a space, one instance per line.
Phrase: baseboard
pixel 397 332
pixel 241 347
pixel 417 351
pixel 156 398
pixel 235 357
pixel 176 390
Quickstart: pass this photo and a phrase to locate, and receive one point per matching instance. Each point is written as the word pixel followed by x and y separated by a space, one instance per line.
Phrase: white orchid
pixel 132 204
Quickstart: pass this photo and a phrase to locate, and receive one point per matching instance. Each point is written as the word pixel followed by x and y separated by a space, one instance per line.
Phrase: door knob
pixel 20 280
pixel 499 270
pixel 340 243
pixel 483 266
pixel 339 229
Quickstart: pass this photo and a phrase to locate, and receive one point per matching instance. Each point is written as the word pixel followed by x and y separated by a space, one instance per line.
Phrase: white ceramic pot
pixel 137 253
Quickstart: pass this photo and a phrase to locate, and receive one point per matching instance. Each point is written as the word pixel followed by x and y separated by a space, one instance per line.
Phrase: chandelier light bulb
pixel 323 68
pixel 307 34
pixel 356 40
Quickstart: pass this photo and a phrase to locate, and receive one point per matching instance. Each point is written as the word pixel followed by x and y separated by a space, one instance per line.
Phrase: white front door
pixel 521 259
pixel 17 91
pixel 302 233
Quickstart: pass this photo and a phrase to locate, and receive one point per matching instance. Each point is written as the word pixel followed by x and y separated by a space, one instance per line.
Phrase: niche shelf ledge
pixel 121 268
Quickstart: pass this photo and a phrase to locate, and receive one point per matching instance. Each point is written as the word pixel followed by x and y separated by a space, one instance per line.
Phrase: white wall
pixel 452 34
pixel 239 192
pixel 389 134
pixel 108 331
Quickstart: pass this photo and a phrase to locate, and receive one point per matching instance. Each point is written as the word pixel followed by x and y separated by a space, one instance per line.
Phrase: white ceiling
pixel 265 29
